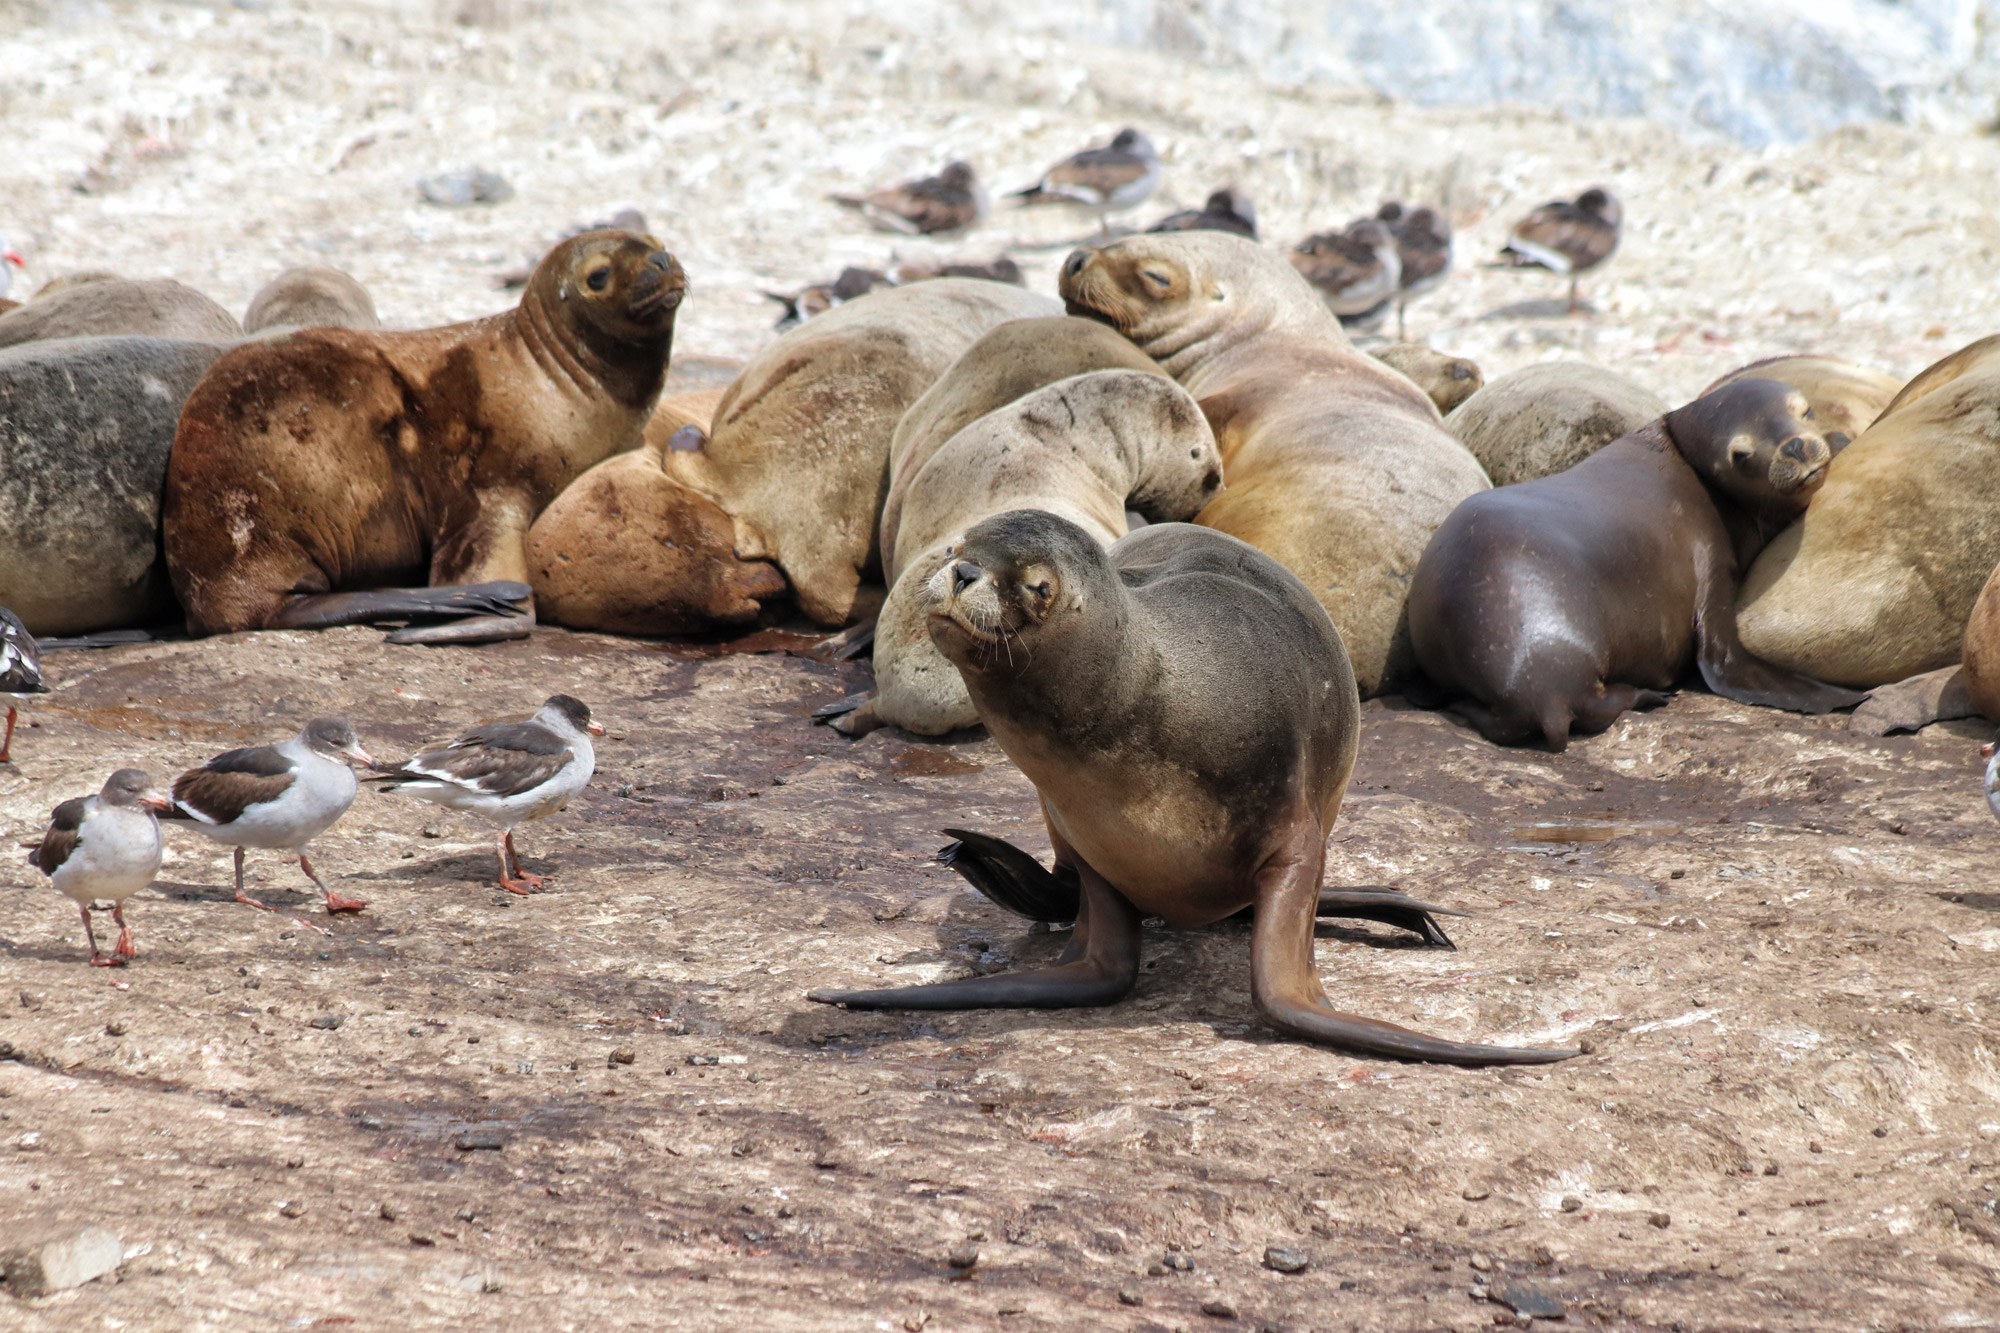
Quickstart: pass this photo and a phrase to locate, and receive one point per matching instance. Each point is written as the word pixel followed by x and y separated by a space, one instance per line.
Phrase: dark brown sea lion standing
pixel 1187 714
pixel 338 459
pixel 1556 604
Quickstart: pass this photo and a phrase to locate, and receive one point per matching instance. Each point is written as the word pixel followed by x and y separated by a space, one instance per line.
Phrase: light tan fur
pixel 1446 380
pixel 1982 649
pixel 1544 419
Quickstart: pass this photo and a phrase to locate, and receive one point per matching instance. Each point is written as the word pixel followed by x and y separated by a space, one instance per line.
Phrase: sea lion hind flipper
pixel 472 630
pixel 1732 671
pixel 1392 908
pixel 1913 703
pixel 501 597
pixel 1012 879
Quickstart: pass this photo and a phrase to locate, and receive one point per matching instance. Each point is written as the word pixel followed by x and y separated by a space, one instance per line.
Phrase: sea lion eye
pixel 1157 278
pixel 598 278
pixel 1742 450
pixel 1041 590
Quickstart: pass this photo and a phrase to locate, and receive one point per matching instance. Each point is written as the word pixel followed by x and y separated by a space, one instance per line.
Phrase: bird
pixel 853 282
pixel 507 773
pixel 9 261
pixel 1423 247
pixel 20 670
pixel 1357 270
pixel 950 201
pixel 1569 238
pixel 1122 174
pixel 1990 752
pixel 1227 209
pixel 276 798
pixel 105 846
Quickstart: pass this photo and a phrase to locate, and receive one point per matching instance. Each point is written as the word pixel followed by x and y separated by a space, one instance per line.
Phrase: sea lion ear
pixel 1742 450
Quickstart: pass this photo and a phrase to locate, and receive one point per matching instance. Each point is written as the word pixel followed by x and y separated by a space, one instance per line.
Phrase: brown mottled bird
pixel 853 282
pixel 950 201
pixel 1120 175
pixel 1570 238
pixel 1423 247
pixel 1357 270
pixel 1227 209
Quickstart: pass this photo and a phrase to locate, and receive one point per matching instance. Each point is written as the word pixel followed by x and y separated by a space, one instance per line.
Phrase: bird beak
pixel 155 801
pixel 13 258
pixel 359 756
pixel 594 728
pixel 1986 750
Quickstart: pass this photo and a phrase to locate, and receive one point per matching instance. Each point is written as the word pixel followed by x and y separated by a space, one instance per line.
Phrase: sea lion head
pixel 619 284
pixel 1173 292
pixel 1756 439
pixel 1014 584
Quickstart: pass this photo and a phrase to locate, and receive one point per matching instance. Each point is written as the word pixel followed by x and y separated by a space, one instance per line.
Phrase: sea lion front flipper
pixel 1389 906
pixel 1287 990
pixel 474 629
pixel 1913 703
pixel 1012 879
pixel 1732 671
pixel 501 597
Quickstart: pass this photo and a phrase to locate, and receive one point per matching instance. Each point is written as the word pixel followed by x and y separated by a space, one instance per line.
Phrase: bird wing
pixel 222 789
pixel 65 827
pixel 20 657
pixel 501 759
pixel 1093 175
pixel 1562 237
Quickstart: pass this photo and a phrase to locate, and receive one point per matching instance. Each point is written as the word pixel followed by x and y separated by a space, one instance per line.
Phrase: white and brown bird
pixel 1567 238
pixel 950 201
pixel 276 798
pixel 1990 752
pixel 105 846
pixel 1358 271
pixel 20 670
pixel 1122 174
pixel 1423 248
pixel 1227 209
pixel 507 773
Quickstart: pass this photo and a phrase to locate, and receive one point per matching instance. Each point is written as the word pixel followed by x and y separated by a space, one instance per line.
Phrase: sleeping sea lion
pixel 1546 418
pixel 311 296
pixel 338 459
pixel 1554 605
pixel 1335 464
pixel 1446 380
pixel 799 449
pixel 1088 448
pixel 102 304
pixel 1186 712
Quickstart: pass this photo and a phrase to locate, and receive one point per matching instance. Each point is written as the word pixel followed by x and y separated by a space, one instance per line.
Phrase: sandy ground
pixel 1779 939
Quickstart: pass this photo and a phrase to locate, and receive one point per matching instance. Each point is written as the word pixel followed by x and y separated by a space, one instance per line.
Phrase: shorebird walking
pixel 507 773
pixel 276 798
pixel 105 846
pixel 950 201
pixel 1568 238
pixel 20 669
pixel 1122 174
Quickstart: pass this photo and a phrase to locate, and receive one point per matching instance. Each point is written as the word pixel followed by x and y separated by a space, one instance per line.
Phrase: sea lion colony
pixel 1183 695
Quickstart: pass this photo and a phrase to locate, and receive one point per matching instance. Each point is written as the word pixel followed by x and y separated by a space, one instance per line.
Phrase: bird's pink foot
pixel 336 903
pixel 524 883
pixel 252 902
pixel 113 959
pixel 127 947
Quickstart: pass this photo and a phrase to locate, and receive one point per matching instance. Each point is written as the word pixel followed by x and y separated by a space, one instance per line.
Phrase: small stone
pixel 459 189
pixel 472 1041
pixel 1280 1259
pixel 1130 1297
pixel 1217 1308
pixel 1177 1261
pixel 60 1261
pixel 1880 1131
pixel 1770 1168
pixel 387 1212
pixel 295 1163
pixel 623 1055
pixel 1660 1220
pixel 372 1122
pixel 422 1238
pixel 416 1031
pixel 1531 1303
pixel 292 1208
pixel 486 1280
pixel 327 1022
pixel 1571 1203
pixel 30 1000
pixel 1813 1146
pixel 114 1029
pixel 1440 1265
pixel 1157 1270
pixel 963 1256
pixel 1479 1263
pixel 827 1161
pixel 1474 1193
pixel 1544 1256
pixel 743 1148
pixel 1677 874
pixel 1463 1220
pixel 480 1140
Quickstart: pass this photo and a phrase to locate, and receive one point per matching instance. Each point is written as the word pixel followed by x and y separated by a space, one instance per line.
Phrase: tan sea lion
pixel 95 305
pixel 798 456
pixel 1186 713
pixel 695 408
pixel 1446 380
pixel 1544 419
pixel 1982 650
pixel 311 296
pixel 1846 398
pixel 339 460
pixel 1335 464
pixel 1876 583
pixel 1011 360
pixel 1087 448
pixel 1552 606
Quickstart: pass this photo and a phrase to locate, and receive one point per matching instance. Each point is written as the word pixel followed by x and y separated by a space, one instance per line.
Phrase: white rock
pixel 58 1262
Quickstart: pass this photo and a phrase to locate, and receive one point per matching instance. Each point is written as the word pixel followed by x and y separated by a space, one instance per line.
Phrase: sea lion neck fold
pixel 618 335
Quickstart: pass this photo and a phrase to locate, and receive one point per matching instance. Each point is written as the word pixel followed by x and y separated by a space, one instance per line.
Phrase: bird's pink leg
pixel 243 897
pixel 512 877
pixel 8 744
pixel 126 947
pixel 97 958
pixel 334 902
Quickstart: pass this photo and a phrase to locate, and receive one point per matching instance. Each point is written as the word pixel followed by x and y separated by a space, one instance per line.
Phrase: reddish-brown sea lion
pixel 1554 605
pixel 1186 712
pixel 340 460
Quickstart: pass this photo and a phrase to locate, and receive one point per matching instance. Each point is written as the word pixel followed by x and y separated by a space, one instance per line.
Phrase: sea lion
pixel 1188 717
pixel 1876 583
pixel 1554 605
pixel 341 459
pixel 1087 448
pixel 1846 398
pixel 1544 419
pixel 1335 464
pixel 85 428
pixel 694 408
pixel 311 296
pixel 1982 650
pixel 102 305
pixel 1008 361
pixel 627 549
pixel 798 456
pixel 1446 380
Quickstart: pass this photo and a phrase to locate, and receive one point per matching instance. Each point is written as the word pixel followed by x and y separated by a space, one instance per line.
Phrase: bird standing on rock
pixel 1569 238
pixel 20 670
pixel 105 846
pixel 276 798
pixel 1122 174
pixel 508 773
pixel 950 201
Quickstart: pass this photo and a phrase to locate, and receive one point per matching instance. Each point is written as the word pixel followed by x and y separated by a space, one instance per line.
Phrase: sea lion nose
pixel 963 575
pixel 661 260
pixel 1798 448
pixel 1074 264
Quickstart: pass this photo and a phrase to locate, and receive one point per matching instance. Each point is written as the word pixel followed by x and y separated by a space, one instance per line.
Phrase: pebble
pixel 416 1031
pixel 1440 1265
pixel 1544 1256
pixel 1474 1193
pixel 387 1212
pixel 422 1238
pixel 1279 1259
pixel 295 1163
pixel 58 1262
pixel 1177 1261
pixel 457 189
pixel 30 1000
pixel 1880 1131
pixel 1571 1203
pixel 1157 1270
pixel 1531 1303
pixel 476 1140
pixel 115 1029
pixel 1770 1168
pixel 292 1208
pixel 1660 1220
pixel 963 1256
pixel 372 1122
pixel 1480 1263
pixel 827 1161
pixel 328 1022
pixel 1813 1146
pixel 623 1055
pixel 1130 1297
pixel 1218 1308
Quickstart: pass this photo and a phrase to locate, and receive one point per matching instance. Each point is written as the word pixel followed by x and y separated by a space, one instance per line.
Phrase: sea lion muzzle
pixel 963 575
